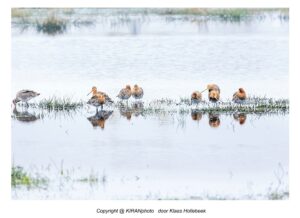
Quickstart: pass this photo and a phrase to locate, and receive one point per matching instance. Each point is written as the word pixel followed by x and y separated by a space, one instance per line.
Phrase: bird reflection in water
pixel 196 115
pixel 214 120
pixel 24 116
pixel 126 112
pixel 240 117
pixel 99 118
pixel 138 108
pixel 135 109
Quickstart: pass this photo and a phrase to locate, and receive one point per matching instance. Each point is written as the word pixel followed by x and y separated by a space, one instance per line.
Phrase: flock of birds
pixel 100 98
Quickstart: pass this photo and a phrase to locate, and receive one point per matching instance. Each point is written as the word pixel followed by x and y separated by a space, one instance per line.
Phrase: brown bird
pixel 125 93
pixel 240 95
pixel 212 87
pixel 214 96
pixel 196 97
pixel 97 100
pixel 137 92
pixel 213 92
pixel 96 92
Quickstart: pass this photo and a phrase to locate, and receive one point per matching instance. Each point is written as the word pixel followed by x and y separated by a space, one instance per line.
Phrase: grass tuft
pixel 55 103
pixel 52 25
pixel 21 178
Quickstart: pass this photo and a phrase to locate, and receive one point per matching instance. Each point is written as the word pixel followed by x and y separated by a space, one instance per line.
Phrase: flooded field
pixel 161 147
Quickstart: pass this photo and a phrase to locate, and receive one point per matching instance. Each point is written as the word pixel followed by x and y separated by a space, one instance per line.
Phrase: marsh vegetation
pixel 57 21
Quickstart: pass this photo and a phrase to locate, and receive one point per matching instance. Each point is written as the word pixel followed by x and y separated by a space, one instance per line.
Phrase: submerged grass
pixel 68 178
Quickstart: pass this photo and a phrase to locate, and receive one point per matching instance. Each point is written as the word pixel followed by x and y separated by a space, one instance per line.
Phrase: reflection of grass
pixel 91 179
pixel 278 195
pixel 21 178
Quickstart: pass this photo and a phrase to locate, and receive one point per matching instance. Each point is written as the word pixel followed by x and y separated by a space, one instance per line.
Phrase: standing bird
pixel 212 87
pixel 95 92
pixel 239 96
pixel 125 93
pixel 213 92
pixel 196 97
pixel 97 100
pixel 25 95
pixel 214 96
pixel 137 92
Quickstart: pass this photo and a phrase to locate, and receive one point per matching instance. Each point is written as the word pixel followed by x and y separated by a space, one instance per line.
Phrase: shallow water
pixel 180 155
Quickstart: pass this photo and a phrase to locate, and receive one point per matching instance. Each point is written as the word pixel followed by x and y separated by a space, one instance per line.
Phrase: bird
pixel 212 87
pixel 125 93
pixel 137 92
pixel 214 96
pixel 213 92
pixel 97 100
pixel 196 97
pixel 24 95
pixel 239 96
pixel 96 92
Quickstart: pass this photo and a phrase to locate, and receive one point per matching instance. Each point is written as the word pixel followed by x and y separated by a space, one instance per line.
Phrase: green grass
pixel 56 103
pixel 21 178
pixel 68 177
pixel 252 105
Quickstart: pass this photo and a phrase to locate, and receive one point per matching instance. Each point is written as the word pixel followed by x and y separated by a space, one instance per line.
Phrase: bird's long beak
pixel 89 92
pixel 204 90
